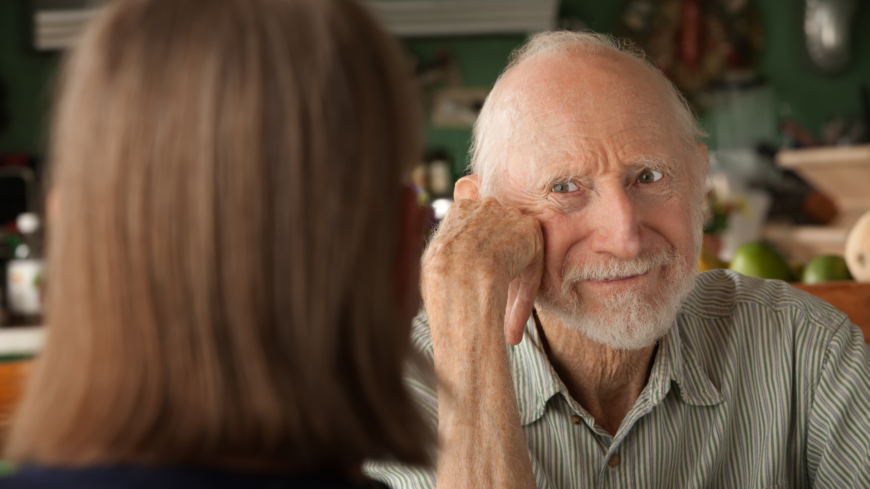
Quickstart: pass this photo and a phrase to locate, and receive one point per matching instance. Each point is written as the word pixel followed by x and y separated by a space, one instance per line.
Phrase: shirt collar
pixel 536 381
pixel 694 383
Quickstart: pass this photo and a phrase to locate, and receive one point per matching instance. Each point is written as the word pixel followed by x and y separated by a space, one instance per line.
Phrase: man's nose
pixel 616 226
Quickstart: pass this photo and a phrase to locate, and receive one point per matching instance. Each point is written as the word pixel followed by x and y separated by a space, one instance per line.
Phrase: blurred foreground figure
pixel 233 257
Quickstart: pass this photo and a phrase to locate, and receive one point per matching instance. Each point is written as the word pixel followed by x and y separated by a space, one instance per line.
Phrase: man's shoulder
pixel 740 332
pixel 731 320
pixel 725 294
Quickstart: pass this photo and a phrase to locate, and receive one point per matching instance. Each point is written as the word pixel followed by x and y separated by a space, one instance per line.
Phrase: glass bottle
pixel 25 272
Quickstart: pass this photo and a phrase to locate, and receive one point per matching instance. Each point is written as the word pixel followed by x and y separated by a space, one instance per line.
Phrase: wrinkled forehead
pixel 590 80
pixel 578 107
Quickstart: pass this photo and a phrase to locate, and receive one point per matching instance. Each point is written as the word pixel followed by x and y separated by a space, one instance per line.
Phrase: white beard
pixel 629 320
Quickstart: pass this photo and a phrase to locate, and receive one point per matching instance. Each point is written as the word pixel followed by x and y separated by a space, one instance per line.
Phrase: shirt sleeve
pixel 838 441
pixel 421 381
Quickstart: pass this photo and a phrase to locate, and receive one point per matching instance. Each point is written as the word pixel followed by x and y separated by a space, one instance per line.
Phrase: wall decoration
pixel 828 31
pixel 697 43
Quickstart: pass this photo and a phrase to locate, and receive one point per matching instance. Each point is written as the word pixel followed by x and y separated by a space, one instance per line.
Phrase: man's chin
pixel 628 335
pixel 620 330
pixel 631 320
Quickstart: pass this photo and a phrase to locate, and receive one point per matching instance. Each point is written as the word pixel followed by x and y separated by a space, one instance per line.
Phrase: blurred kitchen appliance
pixel 828 31
pixel 842 173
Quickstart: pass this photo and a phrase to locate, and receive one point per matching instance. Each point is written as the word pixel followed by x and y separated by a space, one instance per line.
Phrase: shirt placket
pixel 615 469
pixel 616 466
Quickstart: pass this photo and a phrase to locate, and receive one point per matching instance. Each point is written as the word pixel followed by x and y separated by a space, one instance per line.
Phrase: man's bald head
pixel 555 68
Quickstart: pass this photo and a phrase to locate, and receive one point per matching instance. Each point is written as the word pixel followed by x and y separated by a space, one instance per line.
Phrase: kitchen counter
pixel 20 341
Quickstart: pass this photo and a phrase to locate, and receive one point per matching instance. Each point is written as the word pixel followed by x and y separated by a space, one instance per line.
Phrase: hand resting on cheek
pixel 485 250
pixel 480 276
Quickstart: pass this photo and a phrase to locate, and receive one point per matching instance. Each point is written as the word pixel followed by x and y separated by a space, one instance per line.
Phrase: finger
pixel 527 285
pixel 513 290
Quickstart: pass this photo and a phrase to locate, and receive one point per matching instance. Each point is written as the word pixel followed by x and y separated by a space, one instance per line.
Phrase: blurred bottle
pixel 25 272
pixel 440 178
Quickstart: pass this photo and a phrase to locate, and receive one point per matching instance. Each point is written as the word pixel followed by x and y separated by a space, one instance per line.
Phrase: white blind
pixel 452 17
pixel 58 28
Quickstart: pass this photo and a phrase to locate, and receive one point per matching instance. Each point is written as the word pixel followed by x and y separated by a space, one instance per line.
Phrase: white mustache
pixel 615 268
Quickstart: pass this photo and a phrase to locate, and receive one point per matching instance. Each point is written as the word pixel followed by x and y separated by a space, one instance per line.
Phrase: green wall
pixel 481 60
pixel 27 76
pixel 810 98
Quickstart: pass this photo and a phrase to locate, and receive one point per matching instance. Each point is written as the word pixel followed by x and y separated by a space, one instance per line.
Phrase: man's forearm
pixel 481 443
pixel 479 249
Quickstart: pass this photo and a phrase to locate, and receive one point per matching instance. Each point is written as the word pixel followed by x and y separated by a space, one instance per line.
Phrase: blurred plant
pixel 719 208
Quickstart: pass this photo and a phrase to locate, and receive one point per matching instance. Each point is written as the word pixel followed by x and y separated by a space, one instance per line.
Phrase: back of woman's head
pixel 228 180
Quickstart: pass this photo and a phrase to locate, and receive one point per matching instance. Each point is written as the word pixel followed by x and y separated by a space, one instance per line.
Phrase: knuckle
pixel 531 222
pixel 490 202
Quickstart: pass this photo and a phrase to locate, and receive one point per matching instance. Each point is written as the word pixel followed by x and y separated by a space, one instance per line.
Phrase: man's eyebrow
pixel 654 162
pixel 548 179
pixel 658 163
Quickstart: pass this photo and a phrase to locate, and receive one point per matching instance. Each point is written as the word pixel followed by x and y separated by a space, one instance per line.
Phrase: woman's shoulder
pixel 136 477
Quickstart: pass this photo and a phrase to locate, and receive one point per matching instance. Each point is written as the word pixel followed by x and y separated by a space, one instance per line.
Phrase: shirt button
pixel 575 419
pixel 614 460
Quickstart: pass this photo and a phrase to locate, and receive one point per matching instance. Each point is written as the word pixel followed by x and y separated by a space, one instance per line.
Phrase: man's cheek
pixel 550 282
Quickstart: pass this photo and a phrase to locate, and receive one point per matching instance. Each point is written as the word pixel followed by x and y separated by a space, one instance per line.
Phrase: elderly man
pixel 586 202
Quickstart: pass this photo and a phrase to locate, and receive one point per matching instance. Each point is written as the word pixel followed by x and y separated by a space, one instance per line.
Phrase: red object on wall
pixel 15 159
pixel 690 36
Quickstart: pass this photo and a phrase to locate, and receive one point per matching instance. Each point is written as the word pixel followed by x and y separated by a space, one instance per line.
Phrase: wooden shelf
pixel 834 155
pixel 803 243
pixel 842 173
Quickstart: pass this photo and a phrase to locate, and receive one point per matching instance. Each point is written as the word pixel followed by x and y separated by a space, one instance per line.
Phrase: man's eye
pixel 649 176
pixel 564 187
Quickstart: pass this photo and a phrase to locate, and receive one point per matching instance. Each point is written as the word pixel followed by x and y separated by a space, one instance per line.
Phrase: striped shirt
pixel 756 385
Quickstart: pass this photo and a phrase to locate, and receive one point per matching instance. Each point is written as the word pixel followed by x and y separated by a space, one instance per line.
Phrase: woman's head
pixel 228 179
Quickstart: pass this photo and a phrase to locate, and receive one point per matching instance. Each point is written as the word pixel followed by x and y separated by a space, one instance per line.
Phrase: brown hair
pixel 229 182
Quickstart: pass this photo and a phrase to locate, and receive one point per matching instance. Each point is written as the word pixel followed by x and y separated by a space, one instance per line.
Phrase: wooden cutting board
pixel 12 377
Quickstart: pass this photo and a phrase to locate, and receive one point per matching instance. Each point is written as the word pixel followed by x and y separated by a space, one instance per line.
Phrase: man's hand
pixel 481 273
pixel 485 249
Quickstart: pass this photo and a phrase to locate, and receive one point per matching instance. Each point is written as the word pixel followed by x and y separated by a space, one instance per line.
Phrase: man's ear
pixel 703 149
pixel 467 188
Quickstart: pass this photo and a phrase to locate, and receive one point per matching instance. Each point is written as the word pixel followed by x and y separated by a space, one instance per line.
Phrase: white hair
pixel 499 116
